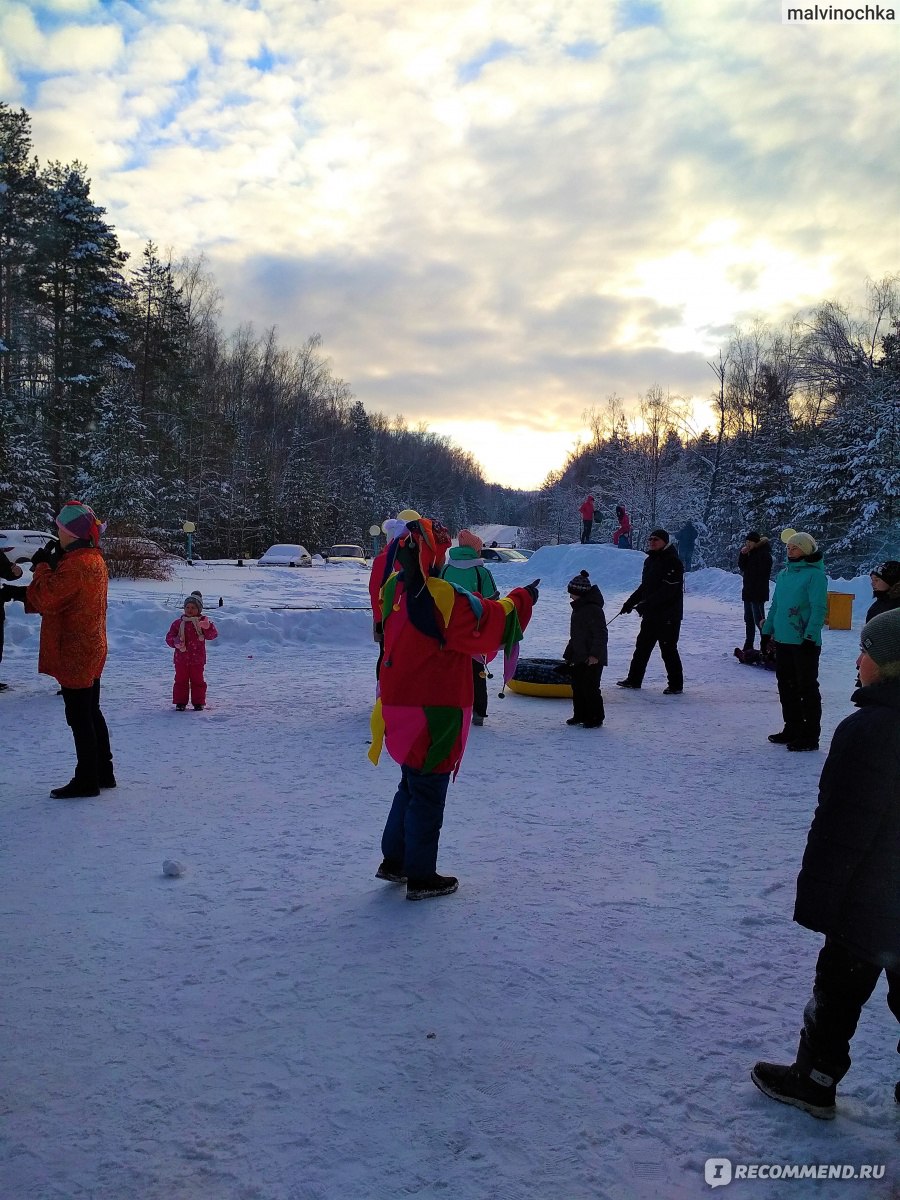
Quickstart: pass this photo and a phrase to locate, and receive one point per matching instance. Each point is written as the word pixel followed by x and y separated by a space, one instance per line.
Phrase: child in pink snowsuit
pixel 188 636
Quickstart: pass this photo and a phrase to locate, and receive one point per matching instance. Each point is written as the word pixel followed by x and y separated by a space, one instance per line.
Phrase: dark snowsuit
pixel 588 638
pixel 660 601
pixel 685 540
pixel 755 566
pixel 849 883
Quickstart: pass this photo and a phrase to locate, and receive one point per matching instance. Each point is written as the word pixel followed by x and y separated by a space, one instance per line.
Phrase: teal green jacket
pixel 799 603
pixel 467 570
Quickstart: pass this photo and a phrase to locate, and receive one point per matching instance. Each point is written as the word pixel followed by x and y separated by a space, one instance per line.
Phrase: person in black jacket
pixel 755 566
pixel 849 883
pixel 659 601
pixel 885 588
pixel 8 571
pixel 586 651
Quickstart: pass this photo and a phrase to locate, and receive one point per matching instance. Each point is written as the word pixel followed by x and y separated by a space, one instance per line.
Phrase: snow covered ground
pixel 577 1022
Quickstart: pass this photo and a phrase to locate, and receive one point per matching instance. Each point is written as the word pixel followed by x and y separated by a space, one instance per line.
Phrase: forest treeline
pixel 119 386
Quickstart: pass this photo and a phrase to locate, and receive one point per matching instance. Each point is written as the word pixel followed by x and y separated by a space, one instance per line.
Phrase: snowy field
pixel 577 1022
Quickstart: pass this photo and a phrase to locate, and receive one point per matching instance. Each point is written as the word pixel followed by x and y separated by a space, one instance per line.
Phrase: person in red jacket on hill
pixel 587 519
pixel 188 636
pixel 432 630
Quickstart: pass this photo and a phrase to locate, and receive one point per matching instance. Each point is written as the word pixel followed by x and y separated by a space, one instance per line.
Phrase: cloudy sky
pixel 496 213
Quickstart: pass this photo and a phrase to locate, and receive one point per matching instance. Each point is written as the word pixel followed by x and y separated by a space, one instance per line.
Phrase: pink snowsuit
pixel 188 637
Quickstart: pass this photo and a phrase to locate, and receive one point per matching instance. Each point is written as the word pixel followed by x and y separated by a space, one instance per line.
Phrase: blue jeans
pixel 413 827
pixel 754 615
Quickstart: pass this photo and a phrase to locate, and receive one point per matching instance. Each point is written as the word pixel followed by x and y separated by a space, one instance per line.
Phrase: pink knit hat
pixel 472 540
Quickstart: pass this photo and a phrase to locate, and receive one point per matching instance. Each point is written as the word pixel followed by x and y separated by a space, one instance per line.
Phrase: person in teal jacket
pixel 795 619
pixel 466 569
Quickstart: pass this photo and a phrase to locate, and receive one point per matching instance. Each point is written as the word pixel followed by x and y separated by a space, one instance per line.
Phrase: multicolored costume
pixel 432 630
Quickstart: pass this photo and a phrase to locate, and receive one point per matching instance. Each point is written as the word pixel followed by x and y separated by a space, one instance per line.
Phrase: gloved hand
pixel 50 553
pixel 627 607
pixel 532 590
pixel 204 622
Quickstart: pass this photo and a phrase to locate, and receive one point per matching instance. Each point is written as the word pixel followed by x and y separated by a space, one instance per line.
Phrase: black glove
pixel 627 607
pixel 50 554
pixel 532 590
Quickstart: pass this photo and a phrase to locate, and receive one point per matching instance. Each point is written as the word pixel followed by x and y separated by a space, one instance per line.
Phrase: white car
pixel 19 544
pixel 286 554
pixel 355 556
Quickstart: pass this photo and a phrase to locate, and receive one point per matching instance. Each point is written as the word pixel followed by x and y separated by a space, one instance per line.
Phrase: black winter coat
pixel 588 636
pixel 849 883
pixel 660 594
pixel 885 602
pixel 756 568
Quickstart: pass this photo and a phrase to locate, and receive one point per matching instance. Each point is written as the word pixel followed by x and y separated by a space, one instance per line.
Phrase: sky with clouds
pixel 496 213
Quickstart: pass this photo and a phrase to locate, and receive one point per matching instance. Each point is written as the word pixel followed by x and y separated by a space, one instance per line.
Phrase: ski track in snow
pixel 578 1022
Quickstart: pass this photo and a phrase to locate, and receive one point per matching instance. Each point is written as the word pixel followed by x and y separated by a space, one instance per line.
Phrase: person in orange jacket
pixel 68 588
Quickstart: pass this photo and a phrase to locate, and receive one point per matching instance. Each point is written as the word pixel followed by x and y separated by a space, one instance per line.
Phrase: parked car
pixel 502 554
pixel 344 553
pixel 19 544
pixel 286 554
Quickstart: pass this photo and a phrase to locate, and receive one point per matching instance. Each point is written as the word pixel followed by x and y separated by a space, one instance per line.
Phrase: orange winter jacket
pixel 72 602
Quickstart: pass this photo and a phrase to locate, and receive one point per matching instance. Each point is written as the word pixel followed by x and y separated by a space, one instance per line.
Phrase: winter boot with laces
pixel 431 886
pixel 810 1090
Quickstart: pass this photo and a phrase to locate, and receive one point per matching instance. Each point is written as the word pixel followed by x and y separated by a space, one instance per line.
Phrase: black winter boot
pixel 74 790
pixel 433 885
pixel 626 683
pixel 801 1089
pixel 781 739
pixel 391 872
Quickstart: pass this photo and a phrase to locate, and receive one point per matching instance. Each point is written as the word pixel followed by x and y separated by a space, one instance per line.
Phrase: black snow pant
pixel 842 986
pixel 479 681
pixel 586 527
pixel 754 615
pixel 653 631
pixel 92 749
pixel 587 702
pixel 797 673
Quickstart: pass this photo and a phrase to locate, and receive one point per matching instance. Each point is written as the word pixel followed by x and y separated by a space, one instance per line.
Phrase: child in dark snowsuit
pixel 188 636
pixel 586 651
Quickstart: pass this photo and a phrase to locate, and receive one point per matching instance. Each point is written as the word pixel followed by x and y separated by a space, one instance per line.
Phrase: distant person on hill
pixel 795 619
pixel 69 585
pixel 622 536
pixel 755 565
pixel 431 632
pixel 660 601
pixel 685 540
pixel 885 588
pixel 849 883
pixel 8 572
pixel 466 569
pixel 188 636
pixel 587 519
pixel 586 651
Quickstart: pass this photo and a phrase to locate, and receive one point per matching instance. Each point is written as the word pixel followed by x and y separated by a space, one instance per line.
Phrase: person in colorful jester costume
pixel 432 630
